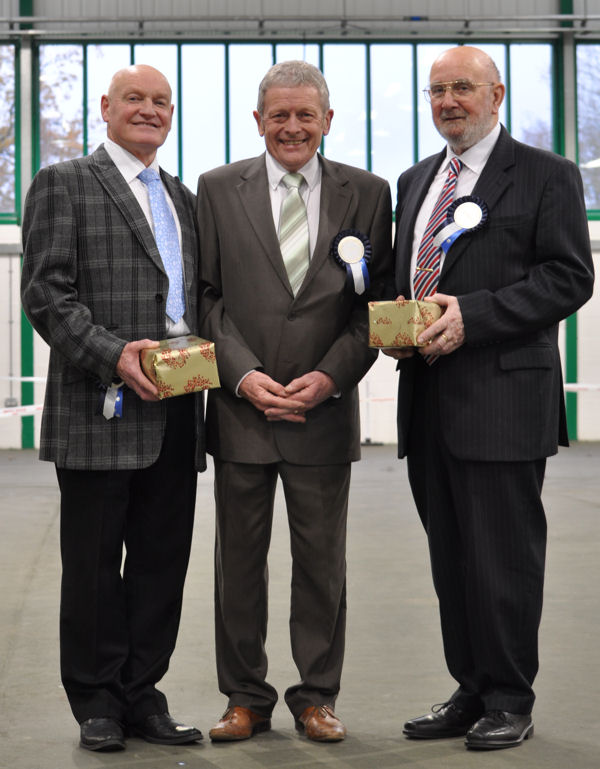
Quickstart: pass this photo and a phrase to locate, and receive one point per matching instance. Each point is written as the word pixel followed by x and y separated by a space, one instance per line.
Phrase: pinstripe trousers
pixel 486 529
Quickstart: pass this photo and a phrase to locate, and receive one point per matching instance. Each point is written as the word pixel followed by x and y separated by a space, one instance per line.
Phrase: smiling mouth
pixel 292 142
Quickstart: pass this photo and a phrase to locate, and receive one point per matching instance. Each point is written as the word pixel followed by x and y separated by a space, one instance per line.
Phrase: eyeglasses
pixel 460 89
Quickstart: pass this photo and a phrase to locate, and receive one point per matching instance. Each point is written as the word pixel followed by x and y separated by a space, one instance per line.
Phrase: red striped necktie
pixel 427 271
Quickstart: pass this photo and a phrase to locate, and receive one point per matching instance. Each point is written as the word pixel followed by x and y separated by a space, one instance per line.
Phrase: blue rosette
pixel 352 250
pixel 466 214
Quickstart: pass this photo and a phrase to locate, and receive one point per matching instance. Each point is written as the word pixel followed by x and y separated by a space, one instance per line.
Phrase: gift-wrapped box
pixel 183 364
pixel 399 323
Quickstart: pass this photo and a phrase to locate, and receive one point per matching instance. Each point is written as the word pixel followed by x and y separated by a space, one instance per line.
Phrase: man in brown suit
pixel 291 350
pixel 96 289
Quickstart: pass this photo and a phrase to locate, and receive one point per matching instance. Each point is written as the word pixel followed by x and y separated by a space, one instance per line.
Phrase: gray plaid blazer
pixel 92 281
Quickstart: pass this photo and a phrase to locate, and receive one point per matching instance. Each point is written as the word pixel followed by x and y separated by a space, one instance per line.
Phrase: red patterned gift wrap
pixel 399 323
pixel 183 364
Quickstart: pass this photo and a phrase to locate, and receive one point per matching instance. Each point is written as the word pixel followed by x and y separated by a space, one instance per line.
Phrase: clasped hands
pixel 289 403
pixel 443 336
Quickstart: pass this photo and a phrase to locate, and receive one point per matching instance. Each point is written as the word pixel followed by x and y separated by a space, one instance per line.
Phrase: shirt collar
pixel 311 171
pixel 476 156
pixel 128 164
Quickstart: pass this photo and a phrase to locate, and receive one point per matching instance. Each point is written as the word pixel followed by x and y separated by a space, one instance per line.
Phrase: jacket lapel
pixel 113 182
pixel 410 211
pixel 253 190
pixel 491 185
pixel 336 197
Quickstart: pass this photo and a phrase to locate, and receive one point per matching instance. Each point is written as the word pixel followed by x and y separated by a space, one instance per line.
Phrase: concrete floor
pixel 394 667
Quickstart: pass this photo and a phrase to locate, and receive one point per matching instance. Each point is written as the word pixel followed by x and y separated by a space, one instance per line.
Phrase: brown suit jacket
pixel 249 311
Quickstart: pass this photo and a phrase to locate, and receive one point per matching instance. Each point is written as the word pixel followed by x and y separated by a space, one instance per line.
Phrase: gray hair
pixel 291 74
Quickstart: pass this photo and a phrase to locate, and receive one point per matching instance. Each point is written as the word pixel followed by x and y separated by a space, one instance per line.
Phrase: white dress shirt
pixel 310 190
pixel 130 167
pixel 473 160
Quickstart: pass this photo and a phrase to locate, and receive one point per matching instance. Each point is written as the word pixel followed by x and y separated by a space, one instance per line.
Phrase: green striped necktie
pixel 293 232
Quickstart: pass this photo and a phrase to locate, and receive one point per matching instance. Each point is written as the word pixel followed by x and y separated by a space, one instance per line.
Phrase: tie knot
pixel 456 165
pixel 149 175
pixel 293 180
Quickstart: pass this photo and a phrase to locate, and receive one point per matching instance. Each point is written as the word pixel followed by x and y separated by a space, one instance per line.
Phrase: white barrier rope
pixel 25 411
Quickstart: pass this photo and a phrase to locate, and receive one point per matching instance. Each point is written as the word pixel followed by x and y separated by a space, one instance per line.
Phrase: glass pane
pixel 203 99
pixel 497 51
pixel 61 100
pixel 588 109
pixel 391 111
pixel 7 129
pixel 345 70
pixel 531 96
pixel 164 59
pixel 429 139
pixel 297 51
pixel 248 64
pixel 102 63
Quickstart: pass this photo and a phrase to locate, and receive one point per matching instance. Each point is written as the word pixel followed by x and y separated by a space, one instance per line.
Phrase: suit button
pixel 159 298
pixel 292 316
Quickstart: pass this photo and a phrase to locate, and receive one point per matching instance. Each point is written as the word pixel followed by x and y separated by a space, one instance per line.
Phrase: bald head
pixel 465 117
pixel 136 72
pixel 466 57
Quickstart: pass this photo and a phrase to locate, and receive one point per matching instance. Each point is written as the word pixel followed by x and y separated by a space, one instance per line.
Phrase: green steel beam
pixel 368 98
pixel 227 106
pixel 27 425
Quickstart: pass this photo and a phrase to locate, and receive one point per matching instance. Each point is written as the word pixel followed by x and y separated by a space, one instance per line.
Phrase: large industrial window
pixel 588 109
pixel 8 119
pixel 381 120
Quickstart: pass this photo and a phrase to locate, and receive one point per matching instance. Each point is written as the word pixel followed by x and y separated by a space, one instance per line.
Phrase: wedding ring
pixel 445 338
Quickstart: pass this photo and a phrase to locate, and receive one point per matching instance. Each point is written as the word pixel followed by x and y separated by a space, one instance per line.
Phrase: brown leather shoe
pixel 320 723
pixel 238 723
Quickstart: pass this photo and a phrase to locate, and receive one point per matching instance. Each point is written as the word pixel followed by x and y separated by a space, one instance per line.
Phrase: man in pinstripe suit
pixel 481 408
pixel 94 286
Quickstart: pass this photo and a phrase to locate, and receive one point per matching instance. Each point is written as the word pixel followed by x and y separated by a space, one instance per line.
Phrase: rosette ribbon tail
pixel 359 275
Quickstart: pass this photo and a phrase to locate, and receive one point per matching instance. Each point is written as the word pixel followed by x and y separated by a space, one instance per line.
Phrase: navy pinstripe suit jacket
pixel 501 394
pixel 93 280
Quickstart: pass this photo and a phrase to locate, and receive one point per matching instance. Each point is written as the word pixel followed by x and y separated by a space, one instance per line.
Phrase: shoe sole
pixel 262 726
pixel 108 745
pixel 302 730
pixel 498 744
pixel 445 736
pixel 183 740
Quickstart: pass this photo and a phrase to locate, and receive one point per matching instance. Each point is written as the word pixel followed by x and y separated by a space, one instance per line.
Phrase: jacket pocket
pixel 527 357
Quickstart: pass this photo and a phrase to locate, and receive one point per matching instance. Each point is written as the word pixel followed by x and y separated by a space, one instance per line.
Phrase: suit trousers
pixel 317 504
pixel 486 528
pixel 119 619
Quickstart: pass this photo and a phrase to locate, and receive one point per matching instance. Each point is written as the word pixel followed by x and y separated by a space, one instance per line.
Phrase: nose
pixel 147 106
pixel 292 124
pixel 448 98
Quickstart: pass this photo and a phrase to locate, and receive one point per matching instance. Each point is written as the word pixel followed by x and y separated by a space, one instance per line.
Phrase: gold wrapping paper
pixel 399 323
pixel 183 364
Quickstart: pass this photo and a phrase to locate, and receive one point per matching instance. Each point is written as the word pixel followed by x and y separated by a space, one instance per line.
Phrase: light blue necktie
pixel 165 233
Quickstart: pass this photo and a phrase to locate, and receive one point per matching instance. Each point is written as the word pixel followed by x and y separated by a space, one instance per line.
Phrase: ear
pixel 104 107
pixel 259 123
pixel 327 121
pixel 497 96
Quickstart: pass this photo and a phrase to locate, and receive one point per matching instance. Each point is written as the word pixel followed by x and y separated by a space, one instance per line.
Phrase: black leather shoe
pixel 445 720
pixel 499 729
pixel 161 729
pixel 102 734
